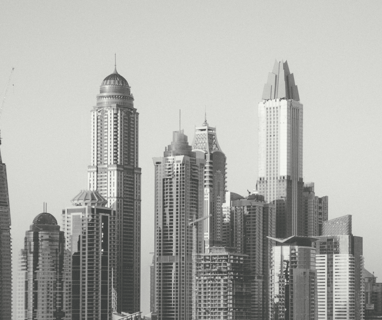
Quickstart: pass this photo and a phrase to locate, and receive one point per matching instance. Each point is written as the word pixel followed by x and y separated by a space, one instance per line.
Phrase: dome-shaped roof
pixel 115 79
pixel 45 218
pixel 89 198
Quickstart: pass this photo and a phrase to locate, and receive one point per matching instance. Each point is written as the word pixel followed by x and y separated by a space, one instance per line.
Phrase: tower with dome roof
pixel 114 172
pixel 45 271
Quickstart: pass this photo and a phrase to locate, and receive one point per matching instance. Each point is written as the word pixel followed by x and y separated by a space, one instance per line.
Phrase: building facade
pixel 293 279
pixel 179 187
pixel 45 268
pixel 223 285
pixel 280 150
pixel 89 232
pixel 340 283
pixel 5 246
pixel 253 221
pixel 315 211
pixel 115 174
pixel 206 145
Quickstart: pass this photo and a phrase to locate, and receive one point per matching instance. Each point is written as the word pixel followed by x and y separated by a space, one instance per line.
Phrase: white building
pixel 114 172
pixel 280 149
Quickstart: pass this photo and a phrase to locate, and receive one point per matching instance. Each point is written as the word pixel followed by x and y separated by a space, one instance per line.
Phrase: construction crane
pixel 6 90
pixel 198 220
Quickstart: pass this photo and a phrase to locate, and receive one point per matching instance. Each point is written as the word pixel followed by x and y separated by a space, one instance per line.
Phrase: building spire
pixel 115 63
pixel 205 123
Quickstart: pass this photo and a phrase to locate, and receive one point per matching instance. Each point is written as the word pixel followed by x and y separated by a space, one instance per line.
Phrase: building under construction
pixel 222 285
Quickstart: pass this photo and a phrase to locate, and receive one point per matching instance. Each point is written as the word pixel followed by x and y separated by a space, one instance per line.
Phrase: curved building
pixel 46 270
pixel 5 247
pixel 115 174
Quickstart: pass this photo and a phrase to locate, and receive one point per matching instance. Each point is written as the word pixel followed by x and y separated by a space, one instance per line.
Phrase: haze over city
pixel 201 57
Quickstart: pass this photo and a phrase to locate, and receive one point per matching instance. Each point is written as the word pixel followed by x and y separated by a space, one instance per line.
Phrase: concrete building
pixel 206 146
pixel 340 285
pixel 179 188
pixel 115 174
pixel 223 285
pixel 5 246
pixel 253 221
pixel 293 279
pixel 280 150
pixel 45 268
pixel 315 211
pixel 373 296
pixel 89 232
pixel 228 209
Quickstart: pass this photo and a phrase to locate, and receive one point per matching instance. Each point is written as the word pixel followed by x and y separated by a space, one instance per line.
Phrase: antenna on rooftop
pixel 180 120
pixel 44 207
pixel 115 62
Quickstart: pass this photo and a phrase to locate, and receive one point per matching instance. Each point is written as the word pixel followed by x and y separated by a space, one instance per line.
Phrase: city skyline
pixel 45 118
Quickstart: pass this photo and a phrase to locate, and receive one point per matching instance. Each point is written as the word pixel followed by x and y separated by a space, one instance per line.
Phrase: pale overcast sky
pixel 191 56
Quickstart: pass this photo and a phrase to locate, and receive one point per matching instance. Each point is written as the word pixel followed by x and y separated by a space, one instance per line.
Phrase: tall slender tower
pixel 115 174
pixel 206 146
pixel 280 150
pixel 5 247
pixel 178 204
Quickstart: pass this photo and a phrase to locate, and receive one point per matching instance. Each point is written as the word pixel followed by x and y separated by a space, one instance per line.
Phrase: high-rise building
pixel 115 174
pixel 223 285
pixel 253 221
pixel 340 284
pixel 179 186
pixel 5 247
pixel 280 150
pixel 45 268
pixel 315 211
pixel 206 145
pixel 293 279
pixel 227 210
pixel 89 232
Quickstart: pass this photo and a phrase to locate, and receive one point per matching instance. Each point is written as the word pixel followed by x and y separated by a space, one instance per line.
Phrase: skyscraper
pixel 115 174
pixel 293 279
pixel 178 204
pixel 5 247
pixel 45 266
pixel 223 285
pixel 315 211
pixel 280 150
pixel 253 222
pixel 206 145
pixel 90 239
pixel 340 284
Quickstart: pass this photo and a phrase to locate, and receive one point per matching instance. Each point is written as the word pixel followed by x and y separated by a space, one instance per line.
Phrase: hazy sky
pixel 191 56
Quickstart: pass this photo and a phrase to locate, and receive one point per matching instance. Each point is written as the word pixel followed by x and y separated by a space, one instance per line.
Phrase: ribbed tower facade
pixel 115 174
pixel 178 205
pixel 45 268
pixel 280 150
pixel 5 247
pixel 206 146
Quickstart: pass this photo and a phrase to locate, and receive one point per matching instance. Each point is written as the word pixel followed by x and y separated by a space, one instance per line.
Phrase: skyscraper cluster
pixel 272 254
